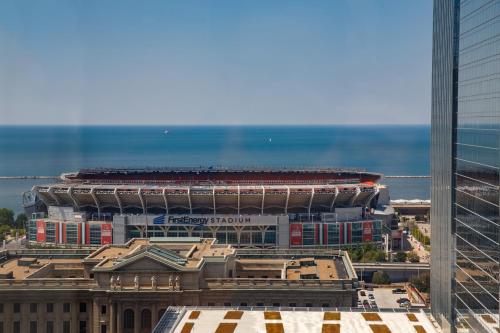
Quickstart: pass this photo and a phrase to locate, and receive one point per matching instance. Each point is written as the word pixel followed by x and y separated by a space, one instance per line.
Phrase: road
pixel 419 248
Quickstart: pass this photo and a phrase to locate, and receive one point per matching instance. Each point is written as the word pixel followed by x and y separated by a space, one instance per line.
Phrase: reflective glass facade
pixel 465 165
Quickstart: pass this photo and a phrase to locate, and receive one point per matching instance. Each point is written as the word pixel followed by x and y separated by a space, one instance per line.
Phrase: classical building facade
pixel 126 288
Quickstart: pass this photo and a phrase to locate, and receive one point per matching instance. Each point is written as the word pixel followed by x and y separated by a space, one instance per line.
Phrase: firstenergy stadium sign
pixel 214 220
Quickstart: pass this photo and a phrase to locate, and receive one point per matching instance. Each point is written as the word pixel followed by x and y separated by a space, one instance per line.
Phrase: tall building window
pixel 16 307
pixel 33 307
pixel 83 307
pixel 50 307
pixel 103 309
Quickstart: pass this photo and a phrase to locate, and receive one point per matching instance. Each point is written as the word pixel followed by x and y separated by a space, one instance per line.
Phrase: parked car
pixel 404 304
pixel 370 296
pixel 398 291
pixel 365 302
pixel 403 300
pixel 362 293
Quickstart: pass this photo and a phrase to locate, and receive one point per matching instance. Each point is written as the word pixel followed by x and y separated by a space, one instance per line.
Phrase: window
pixel 243 304
pixel 292 305
pixel 33 327
pixel 17 307
pixel 50 307
pixel 260 304
pixel 66 307
pixel 257 238
pixel 50 233
pixel 146 319
pixel 270 237
pixel 16 327
pixel 95 234
pixel 211 304
pixel 309 305
pixel 71 233
pixel 49 327
pixel 227 304
pixel 83 307
pixel 33 307
pixel 333 236
pixel 1 307
pixel 83 326
pixel 128 319
pixel 325 305
pixel 308 234
pixel 276 305
pixel 103 309
pixel 1 326
pixel 103 328
pixel 66 327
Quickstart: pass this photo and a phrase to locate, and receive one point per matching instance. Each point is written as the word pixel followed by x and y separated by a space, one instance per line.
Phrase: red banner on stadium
pixel 40 231
pixel 296 234
pixel 106 234
pixel 367 231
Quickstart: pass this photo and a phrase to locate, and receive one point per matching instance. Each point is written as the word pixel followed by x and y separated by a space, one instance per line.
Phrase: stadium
pixel 245 208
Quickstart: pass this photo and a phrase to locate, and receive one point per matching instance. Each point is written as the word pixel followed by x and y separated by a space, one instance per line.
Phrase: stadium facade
pixel 245 208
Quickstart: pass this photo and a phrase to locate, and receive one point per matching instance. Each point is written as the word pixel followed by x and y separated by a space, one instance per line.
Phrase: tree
pixel 380 277
pixel 413 257
pixel 6 216
pixel 21 220
pixel 400 257
pixel 422 282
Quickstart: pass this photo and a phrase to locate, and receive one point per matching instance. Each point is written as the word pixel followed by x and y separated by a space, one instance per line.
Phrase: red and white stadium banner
pixel 367 231
pixel 295 234
pixel 40 231
pixel 106 233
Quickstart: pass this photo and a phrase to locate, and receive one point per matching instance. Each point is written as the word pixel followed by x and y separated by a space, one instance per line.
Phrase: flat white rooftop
pixel 206 320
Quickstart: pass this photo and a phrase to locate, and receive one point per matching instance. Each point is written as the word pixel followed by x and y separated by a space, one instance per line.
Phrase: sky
pixel 221 62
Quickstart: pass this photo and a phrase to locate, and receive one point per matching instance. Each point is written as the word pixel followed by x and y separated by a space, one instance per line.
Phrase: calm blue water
pixel 51 150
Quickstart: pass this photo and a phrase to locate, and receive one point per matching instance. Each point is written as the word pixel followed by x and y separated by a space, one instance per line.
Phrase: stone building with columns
pixel 126 288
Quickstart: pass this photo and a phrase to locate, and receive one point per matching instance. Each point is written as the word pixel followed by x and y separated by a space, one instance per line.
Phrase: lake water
pixel 51 150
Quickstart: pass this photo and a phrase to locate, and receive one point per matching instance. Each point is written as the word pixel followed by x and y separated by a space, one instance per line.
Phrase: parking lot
pixel 380 298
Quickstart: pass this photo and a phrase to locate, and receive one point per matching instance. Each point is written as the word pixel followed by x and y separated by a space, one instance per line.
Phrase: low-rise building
pixel 127 288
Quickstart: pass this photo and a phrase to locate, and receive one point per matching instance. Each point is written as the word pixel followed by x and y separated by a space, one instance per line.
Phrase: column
pixel 57 317
pixel 96 315
pixel 154 315
pixel 111 317
pixel 137 319
pixel 119 315
pixel 74 316
pixel 24 318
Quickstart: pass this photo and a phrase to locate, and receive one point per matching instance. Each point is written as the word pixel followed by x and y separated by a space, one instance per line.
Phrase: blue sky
pixel 215 62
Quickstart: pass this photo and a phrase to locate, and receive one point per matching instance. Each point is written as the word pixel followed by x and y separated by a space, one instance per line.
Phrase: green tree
pixel 400 257
pixel 6 216
pixel 380 277
pixel 413 257
pixel 421 282
pixel 21 220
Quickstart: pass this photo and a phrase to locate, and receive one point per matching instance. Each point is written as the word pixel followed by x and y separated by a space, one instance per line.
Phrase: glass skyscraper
pixel 465 166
